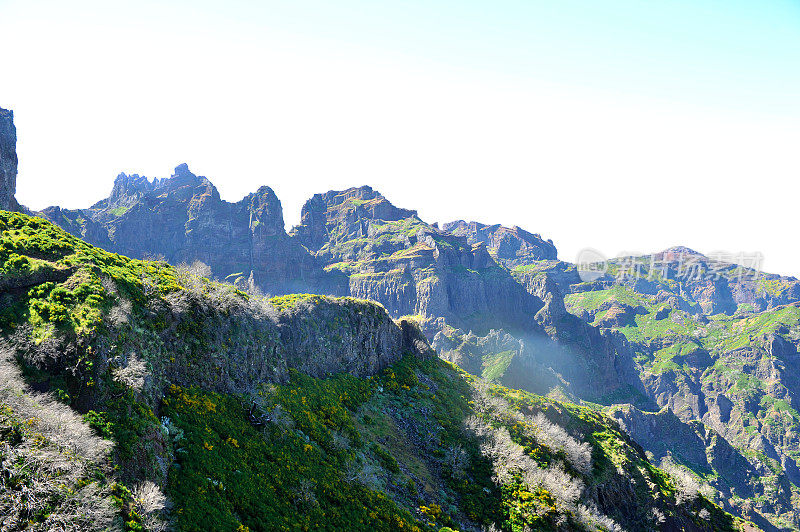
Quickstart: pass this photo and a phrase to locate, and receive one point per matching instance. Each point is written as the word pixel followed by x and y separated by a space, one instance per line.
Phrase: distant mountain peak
pixel 513 245
pixel 182 168
pixel 346 212
pixel 677 250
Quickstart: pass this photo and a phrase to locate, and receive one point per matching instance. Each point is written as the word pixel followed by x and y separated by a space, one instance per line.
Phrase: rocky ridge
pixel 183 219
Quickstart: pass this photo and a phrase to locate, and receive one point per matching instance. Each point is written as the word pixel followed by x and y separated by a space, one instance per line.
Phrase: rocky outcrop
pixel 713 284
pixel 245 344
pixel 409 266
pixel 8 161
pixel 340 216
pixel 618 315
pixel 596 367
pixel 183 219
pixel 703 450
pixel 512 246
pixel 79 222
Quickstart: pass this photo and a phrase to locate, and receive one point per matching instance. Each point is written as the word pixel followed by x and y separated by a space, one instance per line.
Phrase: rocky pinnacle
pixel 8 161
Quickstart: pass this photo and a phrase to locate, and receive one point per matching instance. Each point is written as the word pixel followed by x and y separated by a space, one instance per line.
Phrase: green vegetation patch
pixel 287 475
pixel 494 366
pixel 58 278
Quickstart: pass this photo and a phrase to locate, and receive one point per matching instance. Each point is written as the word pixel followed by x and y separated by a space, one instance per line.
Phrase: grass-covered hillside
pixel 736 372
pixel 140 396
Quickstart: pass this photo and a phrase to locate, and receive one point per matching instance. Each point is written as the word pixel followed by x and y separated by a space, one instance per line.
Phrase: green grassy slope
pixel 745 360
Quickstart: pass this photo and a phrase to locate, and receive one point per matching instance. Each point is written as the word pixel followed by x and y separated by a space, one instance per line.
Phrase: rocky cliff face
pixel 468 277
pixel 715 344
pixel 709 285
pixel 183 219
pixel 698 447
pixel 512 246
pixel 8 161
pixel 340 216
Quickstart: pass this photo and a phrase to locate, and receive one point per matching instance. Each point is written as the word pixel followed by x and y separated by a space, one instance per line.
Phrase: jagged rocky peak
pixel 8 161
pixel 129 188
pixel 183 179
pixel 512 245
pixel 266 212
pixel 183 218
pixel 347 210
pixel 365 202
pixel 183 174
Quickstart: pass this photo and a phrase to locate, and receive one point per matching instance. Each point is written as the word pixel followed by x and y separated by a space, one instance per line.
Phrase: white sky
pixel 632 138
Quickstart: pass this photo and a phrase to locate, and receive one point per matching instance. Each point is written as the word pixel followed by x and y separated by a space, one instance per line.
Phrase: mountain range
pixel 685 361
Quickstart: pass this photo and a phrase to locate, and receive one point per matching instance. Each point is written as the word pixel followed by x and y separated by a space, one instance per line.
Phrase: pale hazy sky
pixel 617 125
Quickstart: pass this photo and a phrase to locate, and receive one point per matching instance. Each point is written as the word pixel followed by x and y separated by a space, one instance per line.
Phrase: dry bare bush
pixel 87 508
pixel 303 495
pixel 133 374
pixel 154 257
pixel 197 269
pixel 340 441
pixel 542 430
pixel 56 421
pixel 120 313
pixel 689 486
pixel 261 308
pixel 218 295
pixel 363 472
pixel 555 437
pixel 280 417
pixel 594 520
pixel 657 516
pixel 509 458
pixel 487 403
pixel 152 505
pixel 46 463
pixel 194 277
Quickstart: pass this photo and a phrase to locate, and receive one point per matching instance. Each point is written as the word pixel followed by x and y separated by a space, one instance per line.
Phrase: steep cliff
pixel 8 161
pixel 716 343
pixel 702 453
pixel 183 219
pixel 393 257
pixel 512 246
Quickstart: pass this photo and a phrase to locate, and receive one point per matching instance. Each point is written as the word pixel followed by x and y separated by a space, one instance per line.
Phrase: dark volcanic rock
pixel 183 219
pixel 393 257
pixel 79 222
pixel 691 443
pixel 512 246
pixel 8 161
pixel 348 211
